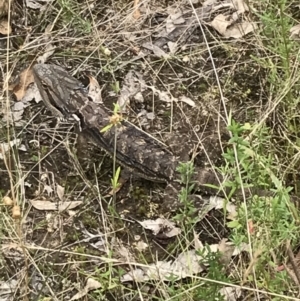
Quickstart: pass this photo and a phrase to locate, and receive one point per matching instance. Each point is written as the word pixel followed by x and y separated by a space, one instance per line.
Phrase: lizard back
pixel 132 147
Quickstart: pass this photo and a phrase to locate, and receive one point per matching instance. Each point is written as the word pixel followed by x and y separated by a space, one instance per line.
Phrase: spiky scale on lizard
pixel 134 149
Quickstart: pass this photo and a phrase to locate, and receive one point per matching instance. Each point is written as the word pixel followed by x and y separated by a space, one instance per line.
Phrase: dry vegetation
pixel 223 81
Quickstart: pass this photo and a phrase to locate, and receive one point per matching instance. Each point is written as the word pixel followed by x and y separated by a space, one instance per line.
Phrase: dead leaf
pixel 215 202
pixel 172 47
pixel 226 251
pixel 156 50
pixel 94 90
pixel 209 2
pixel 48 189
pixel 4 146
pixel 220 23
pixel 15 114
pixel 197 242
pixel 124 253
pixel 24 80
pixel 31 93
pixel 179 25
pixel 38 4
pixel 220 203
pixel 239 30
pixel 175 18
pixel 141 246
pixel 294 31
pixel 60 192
pixel 137 275
pixel 25 91
pixel 5 27
pixel 161 225
pixel 189 263
pixel 240 6
pixel 91 284
pixel 224 23
pixel 185 265
pixel 231 293
pixel 150 116
pixel 58 206
pixel 8 288
pixel 168 97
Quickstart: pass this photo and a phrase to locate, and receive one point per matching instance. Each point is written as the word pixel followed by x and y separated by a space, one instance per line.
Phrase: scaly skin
pixel 134 149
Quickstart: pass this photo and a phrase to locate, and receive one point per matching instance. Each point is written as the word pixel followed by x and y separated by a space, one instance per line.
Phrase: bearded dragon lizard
pixel 133 148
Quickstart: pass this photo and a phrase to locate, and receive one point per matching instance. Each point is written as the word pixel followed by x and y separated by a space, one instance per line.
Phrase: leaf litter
pixel 161 225
pixel 8 289
pixel 181 265
pixel 60 205
pixel 180 25
pixel 133 87
pixel 227 23
pixel 187 264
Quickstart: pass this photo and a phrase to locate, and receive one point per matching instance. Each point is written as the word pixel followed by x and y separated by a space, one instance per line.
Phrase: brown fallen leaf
pixel 47 205
pixel 60 192
pixel 187 263
pixel 220 23
pixel 20 86
pixel 239 30
pixel 5 27
pixel 94 90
